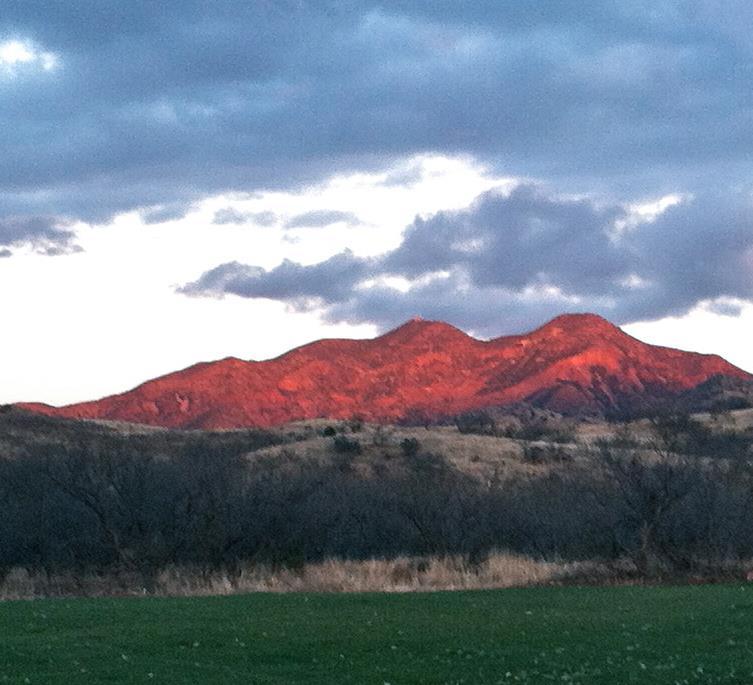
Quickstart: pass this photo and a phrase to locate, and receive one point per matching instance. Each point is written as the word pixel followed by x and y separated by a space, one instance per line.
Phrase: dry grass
pixel 379 575
pixel 740 419
pixel 481 456
pixel 404 574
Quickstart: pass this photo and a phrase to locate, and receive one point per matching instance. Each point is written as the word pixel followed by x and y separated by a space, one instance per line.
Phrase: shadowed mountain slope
pixel 575 364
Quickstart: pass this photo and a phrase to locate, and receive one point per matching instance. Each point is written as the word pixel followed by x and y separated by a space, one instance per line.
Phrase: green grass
pixel 700 634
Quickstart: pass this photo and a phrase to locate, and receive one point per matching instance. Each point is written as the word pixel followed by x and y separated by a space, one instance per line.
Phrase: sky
pixel 185 181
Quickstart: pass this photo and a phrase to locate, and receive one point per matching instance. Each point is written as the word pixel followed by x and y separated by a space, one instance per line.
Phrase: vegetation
pixel 397 574
pixel 346 445
pixel 479 422
pixel 410 447
pixel 593 636
pixel 666 499
pixel 543 426
pixel 683 434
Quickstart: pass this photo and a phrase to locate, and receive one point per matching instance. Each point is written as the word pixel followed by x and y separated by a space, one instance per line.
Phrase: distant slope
pixel 719 393
pixel 577 363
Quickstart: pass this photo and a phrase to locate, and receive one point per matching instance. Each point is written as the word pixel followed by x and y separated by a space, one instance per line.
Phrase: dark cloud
pixel 46 235
pixel 5 252
pixel 320 218
pixel 162 103
pixel 511 261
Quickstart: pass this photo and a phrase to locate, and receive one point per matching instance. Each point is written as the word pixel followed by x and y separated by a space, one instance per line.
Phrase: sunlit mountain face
pixel 575 364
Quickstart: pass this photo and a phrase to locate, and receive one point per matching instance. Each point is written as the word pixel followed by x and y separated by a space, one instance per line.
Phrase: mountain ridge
pixel 575 363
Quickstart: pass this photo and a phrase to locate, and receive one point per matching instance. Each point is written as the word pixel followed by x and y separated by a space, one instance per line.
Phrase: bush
pixel 345 445
pixel 477 422
pixel 538 430
pixel 355 424
pixel 410 447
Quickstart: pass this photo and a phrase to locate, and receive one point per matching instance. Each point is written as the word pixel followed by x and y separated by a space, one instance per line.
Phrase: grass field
pixel 696 634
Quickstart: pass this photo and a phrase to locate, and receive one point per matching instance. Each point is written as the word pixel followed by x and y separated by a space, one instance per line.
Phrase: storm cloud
pixel 514 259
pixel 142 104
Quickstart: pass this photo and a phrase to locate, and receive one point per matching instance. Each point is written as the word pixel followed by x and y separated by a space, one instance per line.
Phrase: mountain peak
pixel 579 320
pixel 582 325
pixel 418 328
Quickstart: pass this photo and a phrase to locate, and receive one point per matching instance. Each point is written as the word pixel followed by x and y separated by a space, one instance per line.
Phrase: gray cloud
pixel 162 103
pixel 230 215
pixel 303 286
pixel 5 252
pixel 46 235
pixel 699 250
pixel 485 311
pixel 516 241
pixel 320 218
pixel 404 175
pixel 725 307
pixel 511 261
pixel 162 213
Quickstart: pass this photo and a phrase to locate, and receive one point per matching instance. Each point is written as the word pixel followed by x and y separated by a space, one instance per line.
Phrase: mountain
pixel 575 364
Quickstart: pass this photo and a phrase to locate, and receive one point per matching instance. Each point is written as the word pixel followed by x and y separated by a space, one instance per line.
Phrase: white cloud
pixel 16 54
pixel 634 282
pixel 705 329
pixel 648 210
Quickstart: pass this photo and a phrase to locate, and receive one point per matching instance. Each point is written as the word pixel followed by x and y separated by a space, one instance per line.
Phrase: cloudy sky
pixel 183 181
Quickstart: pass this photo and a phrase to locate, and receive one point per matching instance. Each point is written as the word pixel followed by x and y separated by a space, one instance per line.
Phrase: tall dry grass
pixel 403 574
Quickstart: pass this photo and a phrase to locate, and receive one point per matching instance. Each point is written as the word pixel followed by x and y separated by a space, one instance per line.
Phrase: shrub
pixel 345 445
pixel 410 447
pixel 538 430
pixel 478 422
pixel 355 424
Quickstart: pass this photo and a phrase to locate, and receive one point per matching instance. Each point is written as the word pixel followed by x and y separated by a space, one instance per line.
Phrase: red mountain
pixel 574 364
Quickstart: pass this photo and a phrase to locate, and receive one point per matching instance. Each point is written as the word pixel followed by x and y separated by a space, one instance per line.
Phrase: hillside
pixel 423 370
pixel 94 507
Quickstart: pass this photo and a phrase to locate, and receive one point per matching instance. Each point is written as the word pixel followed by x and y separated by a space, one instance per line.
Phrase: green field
pixel 697 634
